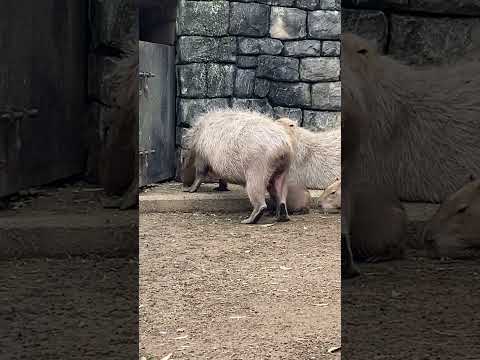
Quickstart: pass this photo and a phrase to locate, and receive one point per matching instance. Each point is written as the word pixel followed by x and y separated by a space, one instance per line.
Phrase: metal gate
pixel 157 113
pixel 42 91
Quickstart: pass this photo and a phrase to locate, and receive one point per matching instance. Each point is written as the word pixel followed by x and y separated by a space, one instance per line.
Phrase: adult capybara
pixel 454 230
pixel 245 148
pixel 331 197
pixel 420 126
pixel 317 160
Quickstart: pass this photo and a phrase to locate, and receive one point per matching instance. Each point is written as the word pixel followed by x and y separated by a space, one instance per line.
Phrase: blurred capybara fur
pixel 317 160
pixel 245 148
pixel 331 198
pixel 298 200
pixel 420 125
pixel 118 165
pixel 376 223
pixel 454 230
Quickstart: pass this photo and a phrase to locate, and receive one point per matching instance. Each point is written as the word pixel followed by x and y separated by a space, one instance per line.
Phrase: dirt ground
pixel 211 288
pixel 417 308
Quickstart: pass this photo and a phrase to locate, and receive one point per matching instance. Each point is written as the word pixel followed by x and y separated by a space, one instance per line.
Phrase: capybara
pixel 245 148
pixel 331 197
pixel 454 230
pixel 317 160
pixel 420 125
pixel 375 222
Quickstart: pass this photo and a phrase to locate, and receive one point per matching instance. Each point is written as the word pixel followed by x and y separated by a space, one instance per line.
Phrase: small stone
pixel 320 69
pixel 331 48
pixel 277 68
pixel 254 46
pixel 324 24
pixel 303 48
pixel 244 83
pixel 249 19
pixel 220 80
pixel 192 80
pixel 330 4
pixel 288 23
pixel 327 96
pixel 289 94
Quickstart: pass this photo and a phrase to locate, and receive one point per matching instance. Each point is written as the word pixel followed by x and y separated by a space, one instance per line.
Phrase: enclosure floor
pixel 67 220
pixel 212 288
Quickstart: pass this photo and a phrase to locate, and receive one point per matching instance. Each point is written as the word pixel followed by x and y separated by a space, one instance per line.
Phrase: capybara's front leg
pixel 281 191
pixel 256 193
pixel 348 268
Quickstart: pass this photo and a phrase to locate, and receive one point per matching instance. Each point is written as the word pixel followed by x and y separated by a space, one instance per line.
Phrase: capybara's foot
pixel 282 213
pixel 220 188
pixel 255 216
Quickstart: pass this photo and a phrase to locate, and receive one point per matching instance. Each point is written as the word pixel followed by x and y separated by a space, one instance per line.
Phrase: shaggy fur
pixel 317 161
pixel 455 228
pixel 245 148
pixel 419 127
pixel 119 160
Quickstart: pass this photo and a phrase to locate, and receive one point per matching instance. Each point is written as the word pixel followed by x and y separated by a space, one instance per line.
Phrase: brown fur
pixel 377 223
pixel 455 228
pixel 245 148
pixel 406 115
pixel 118 167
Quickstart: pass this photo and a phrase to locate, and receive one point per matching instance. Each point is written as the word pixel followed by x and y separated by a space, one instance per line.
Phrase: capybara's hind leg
pixel 256 193
pixel 281 191
pixel 272 202
pixel 222 186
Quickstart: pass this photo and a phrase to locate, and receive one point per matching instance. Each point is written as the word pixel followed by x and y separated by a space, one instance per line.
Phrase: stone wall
pixel 280 57
pixel 421 32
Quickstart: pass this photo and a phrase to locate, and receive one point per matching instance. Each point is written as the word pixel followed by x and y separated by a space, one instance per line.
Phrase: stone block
pixel 302 48
pixel 249 19
pixel 320 69
pixel 203 18
pixel 288 23
pixel 277 68
pixel 331 48
pixel 327 96
pixel 320 121
pixel 324 24
pixel 256 46
pixel 260 105
pixel 192 80
pixel 220 80
pixel 190 109
pixel 291 113
pixel 244 83
pixel 206 49
pixel 370 24
pixel 289 94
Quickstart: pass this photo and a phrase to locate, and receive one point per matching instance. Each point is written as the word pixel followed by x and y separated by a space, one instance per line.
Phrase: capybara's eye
pixel 362 51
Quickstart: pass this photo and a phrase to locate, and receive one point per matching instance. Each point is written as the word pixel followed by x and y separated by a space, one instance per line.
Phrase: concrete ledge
pixel 169 197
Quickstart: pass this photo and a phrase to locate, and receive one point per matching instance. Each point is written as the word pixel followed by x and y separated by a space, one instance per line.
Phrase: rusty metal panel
pixel 43 67
pixel 157 113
